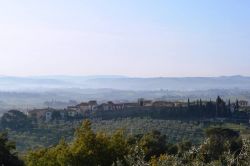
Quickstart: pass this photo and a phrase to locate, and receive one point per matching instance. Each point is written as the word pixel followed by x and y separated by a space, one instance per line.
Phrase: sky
pixel 137 38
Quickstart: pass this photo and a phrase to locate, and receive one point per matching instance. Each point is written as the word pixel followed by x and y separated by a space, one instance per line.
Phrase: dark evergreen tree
pixel 236 108
pixel 8 155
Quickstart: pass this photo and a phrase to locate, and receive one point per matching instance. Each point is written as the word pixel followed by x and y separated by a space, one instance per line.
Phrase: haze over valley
pixel 124 83
pixel 61 91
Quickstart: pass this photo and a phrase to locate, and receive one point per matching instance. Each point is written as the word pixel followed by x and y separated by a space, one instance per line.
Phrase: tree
pixel 15 120
pixel 8 155
pixel 153 144
pixel 183 147
pixel 221 110
pixel 56 156
pixel 236 108
pixel 56 115
pixel 219 141
pixel 87 148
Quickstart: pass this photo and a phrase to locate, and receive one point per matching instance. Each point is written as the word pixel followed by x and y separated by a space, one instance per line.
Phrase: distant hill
pixel 57 91
pixel 123 83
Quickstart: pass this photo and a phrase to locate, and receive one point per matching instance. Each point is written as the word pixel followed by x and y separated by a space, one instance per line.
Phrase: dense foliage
pixel 221 147
pixel 8 154
pixel 15 120
pixel 48 134
pixel 88 148
pixel 194 110
pixel 125 141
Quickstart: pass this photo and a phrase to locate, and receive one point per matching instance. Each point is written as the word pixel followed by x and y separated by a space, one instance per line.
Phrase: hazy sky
pixel 125 37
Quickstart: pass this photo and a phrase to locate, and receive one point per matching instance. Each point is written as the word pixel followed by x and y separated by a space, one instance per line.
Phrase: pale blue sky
pixel 143 38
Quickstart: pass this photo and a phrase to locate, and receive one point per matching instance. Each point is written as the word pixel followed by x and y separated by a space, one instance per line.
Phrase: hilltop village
pixel 236 111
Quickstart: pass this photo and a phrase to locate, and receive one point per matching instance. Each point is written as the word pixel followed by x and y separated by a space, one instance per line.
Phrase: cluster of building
pixel 86 108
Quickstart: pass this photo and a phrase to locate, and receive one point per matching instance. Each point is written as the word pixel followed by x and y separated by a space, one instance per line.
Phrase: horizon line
pixel 120 76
